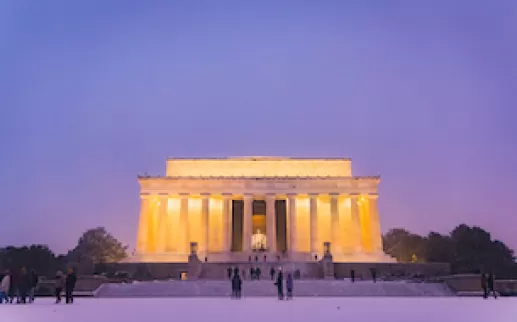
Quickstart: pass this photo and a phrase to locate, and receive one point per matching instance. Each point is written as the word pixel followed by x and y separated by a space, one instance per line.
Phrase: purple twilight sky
pixel 93 93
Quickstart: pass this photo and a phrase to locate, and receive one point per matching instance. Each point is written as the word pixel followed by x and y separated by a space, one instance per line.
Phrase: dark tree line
pixel 95 246
pixel 466 249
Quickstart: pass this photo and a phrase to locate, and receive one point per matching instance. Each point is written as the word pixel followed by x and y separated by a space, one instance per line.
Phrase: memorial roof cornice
pixel 257 178
pixel 262 158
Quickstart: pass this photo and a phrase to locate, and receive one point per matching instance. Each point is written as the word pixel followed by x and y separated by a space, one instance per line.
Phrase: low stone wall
pixel 309 270
pixel 85 286
pixel 149 271
pixel 363 270
pixel 470 284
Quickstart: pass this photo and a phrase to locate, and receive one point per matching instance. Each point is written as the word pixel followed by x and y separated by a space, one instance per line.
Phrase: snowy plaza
pixel 257 309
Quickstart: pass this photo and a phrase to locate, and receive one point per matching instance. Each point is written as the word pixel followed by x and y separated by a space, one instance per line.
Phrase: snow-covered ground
pixel 266 309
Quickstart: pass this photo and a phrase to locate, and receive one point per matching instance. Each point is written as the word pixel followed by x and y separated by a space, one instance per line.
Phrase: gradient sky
pixel 93 93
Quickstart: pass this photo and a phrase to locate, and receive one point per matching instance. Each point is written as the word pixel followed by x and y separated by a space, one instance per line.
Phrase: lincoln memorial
pixel 234 208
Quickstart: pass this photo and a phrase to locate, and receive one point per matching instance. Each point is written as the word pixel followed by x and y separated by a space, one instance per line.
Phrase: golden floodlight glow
pixel 303 203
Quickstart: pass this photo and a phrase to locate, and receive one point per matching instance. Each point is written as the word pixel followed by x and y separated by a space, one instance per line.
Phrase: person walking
pixel 71 279
pixel 373 271
pixel 280 284
pixel 5 285
pixel 34 278
pixel 13 287
pixel 24 284
pixel 257 273
pixel 229 272
pixel 59 285
pixel 484 284
pixel 272 273
pixel 491 285
pixel 236 286
pixel 289 286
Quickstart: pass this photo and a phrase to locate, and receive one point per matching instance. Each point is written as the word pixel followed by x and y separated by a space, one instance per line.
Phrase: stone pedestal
pixel 194 264
pixel 326 262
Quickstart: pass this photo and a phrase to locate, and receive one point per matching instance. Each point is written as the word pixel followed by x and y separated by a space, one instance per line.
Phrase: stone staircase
pixel 215 288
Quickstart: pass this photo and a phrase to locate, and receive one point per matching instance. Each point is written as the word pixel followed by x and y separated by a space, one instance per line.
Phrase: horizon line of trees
pixel 94 247
pixel 466 249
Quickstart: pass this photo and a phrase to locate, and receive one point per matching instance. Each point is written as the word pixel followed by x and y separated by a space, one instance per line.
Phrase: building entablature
pixel 258 186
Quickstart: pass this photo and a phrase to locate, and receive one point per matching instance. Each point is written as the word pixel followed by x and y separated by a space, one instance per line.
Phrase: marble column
pixel 205 203
pixel 184 224
pixel 334 224
pixel 375 224
pixel 227 241
pixel 162 224
pixel 356 225
pixel 315 245
pixel 270 223
pixel 143 225
pixel 152 225
pixel 247 223
pixel 291 201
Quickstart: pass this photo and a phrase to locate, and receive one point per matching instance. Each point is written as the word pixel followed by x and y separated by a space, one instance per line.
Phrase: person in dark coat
pixel 236 286
pixel 289 286
pixel 280 284
pixel 352 275
pixel 229 272
pixel 272 273
pixel 491 284
pixel 252 273
pixel 34 278
pixel 374 274
pixel 257 273
pixel 71 279
pixel 24 284
pixel 484 284
pixel 13 288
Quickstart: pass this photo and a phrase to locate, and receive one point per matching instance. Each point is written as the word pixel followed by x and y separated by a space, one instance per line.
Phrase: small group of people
pixel 66 283
pixel 236 282
pixel 487 284
pixel 279 283
pixel 19 285
pixel 255 273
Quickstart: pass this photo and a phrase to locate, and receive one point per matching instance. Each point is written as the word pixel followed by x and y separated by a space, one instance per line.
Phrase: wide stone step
pixel 267 288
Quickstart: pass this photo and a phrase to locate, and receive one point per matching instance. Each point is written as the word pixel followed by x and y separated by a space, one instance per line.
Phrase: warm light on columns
pixel 376 225
pixel 196 230
pixel 313 214
pixel 152 234
pixel 162 224
pixel 215 225
pixel 346 238
pixel 334 224
pixel 366 225
pixel 174 242
pixel 184 224
pixel 143 225
pixel 205 205
pixel 324 229
pixel 226 223
pixel 302 232
pixel 291 210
